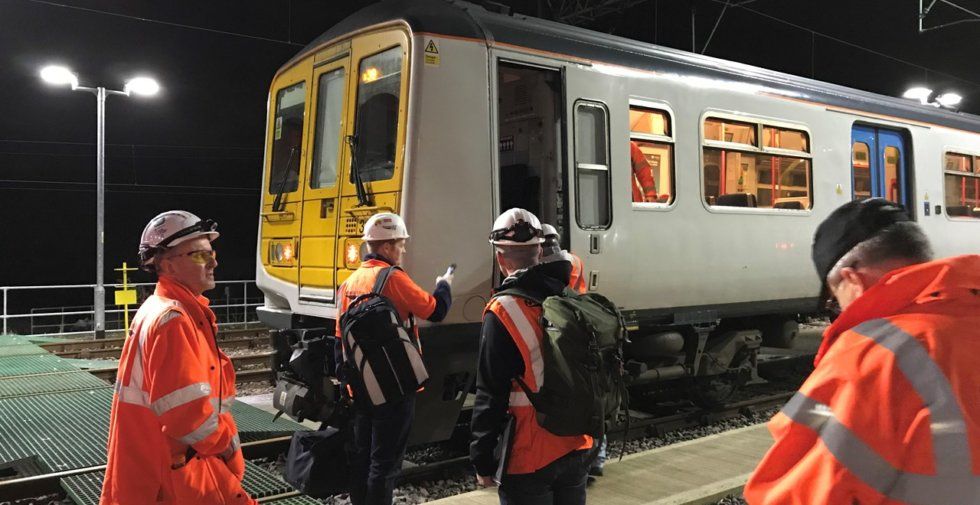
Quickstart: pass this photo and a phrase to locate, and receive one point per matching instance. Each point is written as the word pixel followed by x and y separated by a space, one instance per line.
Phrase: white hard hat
pixel 548 230
pixel 171 228
pixel 516 227
pixel 384 226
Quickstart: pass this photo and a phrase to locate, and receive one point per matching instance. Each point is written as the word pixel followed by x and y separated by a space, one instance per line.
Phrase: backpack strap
pixel 518 292
pixel 382 280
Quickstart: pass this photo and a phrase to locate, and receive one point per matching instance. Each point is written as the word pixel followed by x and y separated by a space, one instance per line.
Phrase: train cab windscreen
pixel 530 143
pixel 287 139
pixel 378 95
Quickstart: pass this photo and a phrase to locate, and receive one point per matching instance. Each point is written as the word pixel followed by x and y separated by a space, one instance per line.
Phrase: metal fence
pixel 233 302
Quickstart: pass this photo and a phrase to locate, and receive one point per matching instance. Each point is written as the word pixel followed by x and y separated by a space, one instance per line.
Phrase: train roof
pixel 467 20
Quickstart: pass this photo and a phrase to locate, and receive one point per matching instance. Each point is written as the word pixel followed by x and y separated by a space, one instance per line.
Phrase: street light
pixel 926 96
pixel 146 86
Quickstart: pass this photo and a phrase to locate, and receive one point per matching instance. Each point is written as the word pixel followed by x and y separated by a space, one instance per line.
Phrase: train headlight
pixel 353 253
pixel 282 252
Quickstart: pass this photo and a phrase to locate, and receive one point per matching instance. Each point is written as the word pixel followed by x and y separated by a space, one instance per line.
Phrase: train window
pixel 287 139
pixel 326 149
pixel 376 122
pixel 651 156
pixel 737 176
pixel 783 138
pixel 861 166
pixel 725 130
pixel 893 182
pixel 962 184
pixel 592 165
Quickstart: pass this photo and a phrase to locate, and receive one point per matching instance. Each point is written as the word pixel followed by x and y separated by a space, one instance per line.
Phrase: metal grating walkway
pixel 34 364
pixel 256 424
pixel 84 489
pixel 49 383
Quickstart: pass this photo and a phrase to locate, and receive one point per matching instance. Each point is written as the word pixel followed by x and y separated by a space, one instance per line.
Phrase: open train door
pixel 880 166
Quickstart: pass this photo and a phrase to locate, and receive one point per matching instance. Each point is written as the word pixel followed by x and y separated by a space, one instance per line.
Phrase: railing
pixel 233 302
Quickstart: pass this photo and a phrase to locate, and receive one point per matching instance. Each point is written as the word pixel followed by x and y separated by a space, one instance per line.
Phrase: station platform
pixel 698 471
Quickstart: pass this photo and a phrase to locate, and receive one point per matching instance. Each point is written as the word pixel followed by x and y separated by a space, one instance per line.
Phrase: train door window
pixel 738 172
pixel 530 118
pixel 893 182
pixel 329 119
pixel 592 165
pixel 376 120
pixel 287 139
pixel 651 156
pixel 962 184
pixel 861 167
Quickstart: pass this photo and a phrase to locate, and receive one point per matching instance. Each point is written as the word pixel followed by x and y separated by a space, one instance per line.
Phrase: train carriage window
pixel 376 122
pixel 724 130
pixel 776 175
pixel 651 156
pixel 592 165
pixel 326 150
pixel 861 166
pixel 962 185
pixel 287 138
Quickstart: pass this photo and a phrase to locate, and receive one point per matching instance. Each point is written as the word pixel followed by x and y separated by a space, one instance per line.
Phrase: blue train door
pixel 879 165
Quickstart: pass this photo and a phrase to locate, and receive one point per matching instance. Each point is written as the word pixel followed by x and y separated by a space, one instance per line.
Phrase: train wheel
pixel 779 332
pixel 715 391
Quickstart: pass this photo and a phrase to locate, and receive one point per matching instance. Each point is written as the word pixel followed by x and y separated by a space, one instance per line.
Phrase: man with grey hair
pixel 891 412
pixel 542 468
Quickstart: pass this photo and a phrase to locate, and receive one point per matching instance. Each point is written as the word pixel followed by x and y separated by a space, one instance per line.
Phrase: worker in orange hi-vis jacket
pixel 551 252
pixel 891 413
pixel 172 438
pixel 644 187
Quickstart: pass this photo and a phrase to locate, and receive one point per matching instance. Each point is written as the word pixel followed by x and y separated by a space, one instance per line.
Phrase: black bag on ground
pixel 383 358
pixel 582 348
pixel 317 462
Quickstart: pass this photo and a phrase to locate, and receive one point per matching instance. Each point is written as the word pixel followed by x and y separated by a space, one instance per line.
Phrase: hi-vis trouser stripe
pixel 954 481
pixel 526 331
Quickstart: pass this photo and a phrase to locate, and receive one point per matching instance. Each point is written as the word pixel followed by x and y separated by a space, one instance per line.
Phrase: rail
pixel 233 301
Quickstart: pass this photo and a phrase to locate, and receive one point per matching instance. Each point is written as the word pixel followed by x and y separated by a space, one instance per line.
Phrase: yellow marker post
pixel 125 296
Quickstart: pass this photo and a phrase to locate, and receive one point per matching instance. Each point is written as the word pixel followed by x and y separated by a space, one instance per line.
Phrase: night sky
pixel 198 145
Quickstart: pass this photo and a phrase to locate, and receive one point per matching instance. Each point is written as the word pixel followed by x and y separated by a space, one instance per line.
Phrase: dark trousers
pixel 560 483
pixel 380 437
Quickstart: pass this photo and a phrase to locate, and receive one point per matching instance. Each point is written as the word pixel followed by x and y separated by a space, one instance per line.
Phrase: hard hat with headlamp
pixel 516 227
pixel 384 226
pixel 170 229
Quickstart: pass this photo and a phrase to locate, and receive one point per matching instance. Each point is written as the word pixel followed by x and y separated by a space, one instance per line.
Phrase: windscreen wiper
pixel 278 204
pixel 363 197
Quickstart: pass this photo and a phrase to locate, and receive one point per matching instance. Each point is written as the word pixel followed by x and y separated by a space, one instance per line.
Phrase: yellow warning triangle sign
pixel 431 48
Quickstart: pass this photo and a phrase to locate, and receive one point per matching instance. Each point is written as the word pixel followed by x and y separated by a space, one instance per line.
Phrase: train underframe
pixel 706 361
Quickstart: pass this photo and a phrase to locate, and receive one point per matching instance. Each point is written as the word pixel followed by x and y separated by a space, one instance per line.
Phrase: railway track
pixel 252 367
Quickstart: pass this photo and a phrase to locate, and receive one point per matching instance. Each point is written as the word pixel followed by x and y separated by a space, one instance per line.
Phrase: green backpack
pixel 582 349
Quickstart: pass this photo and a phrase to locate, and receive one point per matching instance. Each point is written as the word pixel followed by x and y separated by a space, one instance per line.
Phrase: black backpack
pixel 584 383
pixel 383 360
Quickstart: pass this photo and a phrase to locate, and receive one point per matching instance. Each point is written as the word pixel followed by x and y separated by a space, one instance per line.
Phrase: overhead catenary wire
pixel 165 23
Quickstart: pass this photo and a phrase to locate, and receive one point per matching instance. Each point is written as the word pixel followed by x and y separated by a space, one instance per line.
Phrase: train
pixel 449 112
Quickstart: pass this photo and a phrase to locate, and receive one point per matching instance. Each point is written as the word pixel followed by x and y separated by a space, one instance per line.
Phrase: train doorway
pixel 880 165
pixel 530 143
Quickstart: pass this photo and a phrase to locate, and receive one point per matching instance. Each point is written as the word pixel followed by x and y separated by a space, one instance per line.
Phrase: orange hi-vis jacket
pixel 644 188
pixel 407 297
pixel 533 447
pixel 891 413
pixel 577 280
pixel 174 391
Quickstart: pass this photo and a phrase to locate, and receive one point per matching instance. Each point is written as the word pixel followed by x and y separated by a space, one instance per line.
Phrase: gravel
pixel 732 499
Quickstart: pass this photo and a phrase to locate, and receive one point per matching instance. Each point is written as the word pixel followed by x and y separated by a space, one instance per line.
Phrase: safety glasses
pixel 202 256
pixel 521 231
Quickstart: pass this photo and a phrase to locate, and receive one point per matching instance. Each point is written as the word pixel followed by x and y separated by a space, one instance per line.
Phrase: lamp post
pixel 139 86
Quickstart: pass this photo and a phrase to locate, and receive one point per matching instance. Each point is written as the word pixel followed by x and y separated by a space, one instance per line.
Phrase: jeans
pixel 560 483
pixel 380 437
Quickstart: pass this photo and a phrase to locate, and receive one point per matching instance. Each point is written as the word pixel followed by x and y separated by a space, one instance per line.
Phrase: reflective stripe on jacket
pixel 577 279
pixel 891 413
pixel 533 447
pixel 174 390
